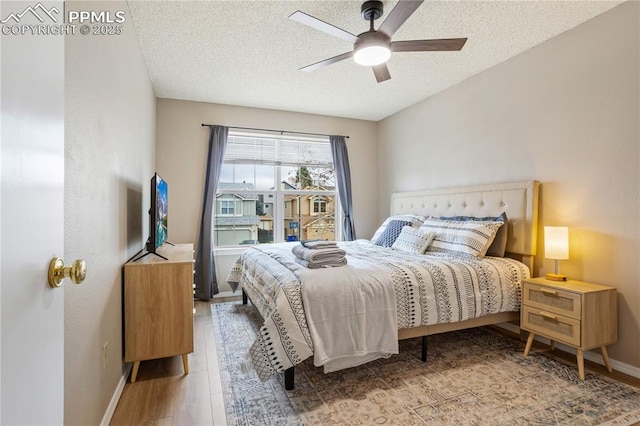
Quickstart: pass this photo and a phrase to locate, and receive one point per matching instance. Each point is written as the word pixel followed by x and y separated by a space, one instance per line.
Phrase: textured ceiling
pixel 248 53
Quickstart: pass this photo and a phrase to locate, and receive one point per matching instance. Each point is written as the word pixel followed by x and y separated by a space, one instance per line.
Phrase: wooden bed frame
pixel 519 200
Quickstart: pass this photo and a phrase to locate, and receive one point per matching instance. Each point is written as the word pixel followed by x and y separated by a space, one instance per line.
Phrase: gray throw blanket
pixel 320 257
pixel 317 265
pixel 319 244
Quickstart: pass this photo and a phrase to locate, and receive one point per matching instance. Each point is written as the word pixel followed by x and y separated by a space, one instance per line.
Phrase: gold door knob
pixel 77 272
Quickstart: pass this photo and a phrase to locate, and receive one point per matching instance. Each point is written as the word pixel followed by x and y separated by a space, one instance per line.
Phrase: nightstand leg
pixel 185 363
pixel 605 356
pixel 134 373
pixel 552 346
pixel 580 358
pixel 529 343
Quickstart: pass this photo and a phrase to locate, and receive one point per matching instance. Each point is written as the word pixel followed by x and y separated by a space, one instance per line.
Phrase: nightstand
pixel 578 314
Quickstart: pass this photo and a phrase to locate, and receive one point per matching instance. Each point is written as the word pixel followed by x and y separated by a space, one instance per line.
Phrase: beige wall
pixel 109 160
pixel 182 151
pixel 565 113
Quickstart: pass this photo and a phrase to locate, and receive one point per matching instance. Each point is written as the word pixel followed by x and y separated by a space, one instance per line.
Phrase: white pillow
pixel 416 221
pixel 413 240
pixel 467 237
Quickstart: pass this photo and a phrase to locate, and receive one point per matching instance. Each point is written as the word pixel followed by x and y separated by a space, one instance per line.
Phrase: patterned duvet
pixel 430 289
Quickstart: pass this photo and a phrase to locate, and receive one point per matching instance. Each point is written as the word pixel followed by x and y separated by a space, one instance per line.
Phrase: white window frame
pixel 279 193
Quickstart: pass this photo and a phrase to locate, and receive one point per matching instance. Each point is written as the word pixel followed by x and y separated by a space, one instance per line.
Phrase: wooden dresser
pixel 158 306
pixel 579 314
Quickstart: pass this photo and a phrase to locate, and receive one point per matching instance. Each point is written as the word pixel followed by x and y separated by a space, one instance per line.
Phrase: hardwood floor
pixel 164 395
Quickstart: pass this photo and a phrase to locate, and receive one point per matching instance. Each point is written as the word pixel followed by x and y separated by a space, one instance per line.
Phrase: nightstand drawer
pixel 556 327
pixel 552 300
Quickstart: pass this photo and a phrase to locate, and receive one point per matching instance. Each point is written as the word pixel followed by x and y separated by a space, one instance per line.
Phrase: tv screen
pixel 159 212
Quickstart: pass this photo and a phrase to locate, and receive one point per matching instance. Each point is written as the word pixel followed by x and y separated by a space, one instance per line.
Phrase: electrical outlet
pixel 104 355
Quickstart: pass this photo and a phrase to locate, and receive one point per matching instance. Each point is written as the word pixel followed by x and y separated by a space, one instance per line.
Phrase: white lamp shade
pixel 556 242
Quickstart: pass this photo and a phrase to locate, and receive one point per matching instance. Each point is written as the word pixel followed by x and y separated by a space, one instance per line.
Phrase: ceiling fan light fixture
pixel 372 55
pixel 372 48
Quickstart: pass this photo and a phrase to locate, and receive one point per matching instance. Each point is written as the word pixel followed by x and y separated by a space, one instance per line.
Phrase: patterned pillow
pixel 416 221
pixel 412 240
pixel 391 233
pixel 499 244
pixel 467 237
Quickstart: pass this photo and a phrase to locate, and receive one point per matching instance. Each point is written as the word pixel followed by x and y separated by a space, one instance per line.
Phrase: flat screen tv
pixel 158 213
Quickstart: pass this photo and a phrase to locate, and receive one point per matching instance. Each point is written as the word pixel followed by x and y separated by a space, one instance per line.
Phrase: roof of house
pixel 238 186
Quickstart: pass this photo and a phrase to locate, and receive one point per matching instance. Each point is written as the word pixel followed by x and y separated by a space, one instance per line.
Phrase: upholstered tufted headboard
pixel 518 199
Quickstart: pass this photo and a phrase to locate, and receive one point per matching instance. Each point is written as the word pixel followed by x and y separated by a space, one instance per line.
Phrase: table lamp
pixel 556 246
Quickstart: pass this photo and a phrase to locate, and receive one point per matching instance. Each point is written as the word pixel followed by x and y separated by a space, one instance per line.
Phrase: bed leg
pixel 424 349
pixel 245 299
pixel 288 378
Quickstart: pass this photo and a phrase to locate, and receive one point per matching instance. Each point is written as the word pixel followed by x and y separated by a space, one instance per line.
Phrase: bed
pixel 425 295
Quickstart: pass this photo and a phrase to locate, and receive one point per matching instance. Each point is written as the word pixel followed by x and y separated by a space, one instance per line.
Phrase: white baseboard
pixel 111 408
pixel 591 356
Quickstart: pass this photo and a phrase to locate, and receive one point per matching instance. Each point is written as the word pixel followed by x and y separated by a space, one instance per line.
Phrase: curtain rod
pixel 275 131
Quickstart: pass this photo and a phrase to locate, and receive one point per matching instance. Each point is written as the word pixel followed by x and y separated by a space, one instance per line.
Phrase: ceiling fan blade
pixel 443 44
pixel 400 13
pixel 381 72
pixel 326 62
pixel 316 23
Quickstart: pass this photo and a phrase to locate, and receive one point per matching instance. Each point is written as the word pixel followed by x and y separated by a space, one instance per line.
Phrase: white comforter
pixel 351 314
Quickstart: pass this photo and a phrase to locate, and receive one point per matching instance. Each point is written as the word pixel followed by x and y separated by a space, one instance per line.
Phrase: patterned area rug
pixel 472 377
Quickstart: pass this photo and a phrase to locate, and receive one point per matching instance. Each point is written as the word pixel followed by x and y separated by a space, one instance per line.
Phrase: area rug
pixel 472 377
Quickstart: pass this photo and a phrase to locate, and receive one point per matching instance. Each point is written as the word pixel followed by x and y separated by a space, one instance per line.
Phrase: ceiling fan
pixel 373 48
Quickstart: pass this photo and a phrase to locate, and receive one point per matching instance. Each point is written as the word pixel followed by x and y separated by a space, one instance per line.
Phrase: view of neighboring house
pixel 309 217
pixel 236 219
pixel 246 217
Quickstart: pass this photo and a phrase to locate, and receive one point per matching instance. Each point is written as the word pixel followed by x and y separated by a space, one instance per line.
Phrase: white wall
pixel 565 113
pixel 182 151
pixel 109 160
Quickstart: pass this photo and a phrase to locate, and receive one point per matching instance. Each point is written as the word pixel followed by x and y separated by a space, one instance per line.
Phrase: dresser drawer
pixel 556 327
pixel 554 300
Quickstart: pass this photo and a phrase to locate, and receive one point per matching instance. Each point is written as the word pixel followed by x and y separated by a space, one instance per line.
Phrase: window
pixel 230 205
pixel 227 208
pixel 319 205
pixel 275 189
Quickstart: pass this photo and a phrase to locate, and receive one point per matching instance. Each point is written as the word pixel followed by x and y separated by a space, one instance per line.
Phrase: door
pixel 31 216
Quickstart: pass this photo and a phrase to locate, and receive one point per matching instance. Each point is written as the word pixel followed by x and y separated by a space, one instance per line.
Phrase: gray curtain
pixel 343 180
pixel 206 283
